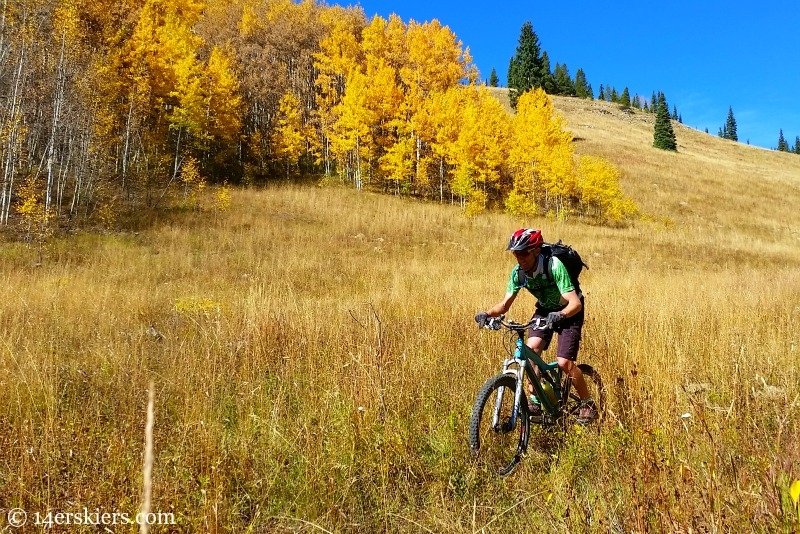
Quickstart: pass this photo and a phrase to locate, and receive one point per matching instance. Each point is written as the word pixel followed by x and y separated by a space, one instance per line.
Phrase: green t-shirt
pixel 547 293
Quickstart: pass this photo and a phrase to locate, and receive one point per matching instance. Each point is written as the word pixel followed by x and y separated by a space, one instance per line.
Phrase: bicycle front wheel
pixel 498 445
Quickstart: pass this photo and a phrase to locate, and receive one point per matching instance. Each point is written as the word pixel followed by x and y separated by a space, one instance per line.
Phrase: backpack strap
pixel 548 266
pixel 522 278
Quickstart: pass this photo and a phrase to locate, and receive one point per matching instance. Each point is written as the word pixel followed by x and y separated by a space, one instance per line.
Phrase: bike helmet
pixel 525 239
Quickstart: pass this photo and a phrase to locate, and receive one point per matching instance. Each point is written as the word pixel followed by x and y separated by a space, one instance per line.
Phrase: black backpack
pixel 568 256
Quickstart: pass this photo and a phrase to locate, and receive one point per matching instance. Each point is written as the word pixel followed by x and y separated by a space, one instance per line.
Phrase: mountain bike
pixel 501 419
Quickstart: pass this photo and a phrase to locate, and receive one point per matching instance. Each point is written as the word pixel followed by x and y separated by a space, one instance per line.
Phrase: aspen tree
pixel 541 158
pixel 340 53
pixel 600 193
pixel 288 137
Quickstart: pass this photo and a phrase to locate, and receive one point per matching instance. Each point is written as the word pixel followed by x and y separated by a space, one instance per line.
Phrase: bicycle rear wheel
pixel 596 392
pixel 498 446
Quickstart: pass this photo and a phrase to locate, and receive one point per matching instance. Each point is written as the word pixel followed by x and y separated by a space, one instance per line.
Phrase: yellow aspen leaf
pixel 794 491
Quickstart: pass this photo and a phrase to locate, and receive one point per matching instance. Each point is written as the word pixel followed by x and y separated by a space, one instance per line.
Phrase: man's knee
pixel 536 344
pixel 566 365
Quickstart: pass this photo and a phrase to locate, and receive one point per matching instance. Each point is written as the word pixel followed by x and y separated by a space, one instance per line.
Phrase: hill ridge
pixel 710 184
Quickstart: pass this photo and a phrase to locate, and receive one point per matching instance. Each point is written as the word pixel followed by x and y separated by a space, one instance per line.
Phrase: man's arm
pixel 574 304
pixel 503 306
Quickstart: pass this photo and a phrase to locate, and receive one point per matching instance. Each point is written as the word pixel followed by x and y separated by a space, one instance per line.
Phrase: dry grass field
pixel 315 361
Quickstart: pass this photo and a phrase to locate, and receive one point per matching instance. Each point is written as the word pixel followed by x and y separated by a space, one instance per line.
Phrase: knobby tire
pixel 499 448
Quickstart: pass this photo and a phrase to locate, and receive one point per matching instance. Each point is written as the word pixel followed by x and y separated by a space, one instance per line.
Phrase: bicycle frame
pixel 527 363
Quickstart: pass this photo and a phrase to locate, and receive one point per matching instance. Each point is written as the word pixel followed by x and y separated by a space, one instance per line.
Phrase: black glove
pixel 553 318
pixel 481 318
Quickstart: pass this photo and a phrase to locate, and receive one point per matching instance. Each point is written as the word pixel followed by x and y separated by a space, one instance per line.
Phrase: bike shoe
pixel 587 413
pixel 534 410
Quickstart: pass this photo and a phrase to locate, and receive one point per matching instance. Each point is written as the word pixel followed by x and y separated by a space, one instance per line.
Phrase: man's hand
pixel 481 318
pixel 553 318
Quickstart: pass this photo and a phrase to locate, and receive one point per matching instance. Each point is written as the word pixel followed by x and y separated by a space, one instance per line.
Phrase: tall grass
pixel 315 361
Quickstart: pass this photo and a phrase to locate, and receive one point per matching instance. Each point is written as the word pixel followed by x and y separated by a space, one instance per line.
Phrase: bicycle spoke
pixel 498 447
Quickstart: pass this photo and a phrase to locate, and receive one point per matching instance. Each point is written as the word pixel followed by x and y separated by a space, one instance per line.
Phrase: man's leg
pixel 570 369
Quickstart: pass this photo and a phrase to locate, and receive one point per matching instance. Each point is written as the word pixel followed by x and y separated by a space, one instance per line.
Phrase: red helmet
pixel 525 239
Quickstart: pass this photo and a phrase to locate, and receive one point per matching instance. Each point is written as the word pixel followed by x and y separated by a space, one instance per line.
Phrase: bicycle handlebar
pixel 495 323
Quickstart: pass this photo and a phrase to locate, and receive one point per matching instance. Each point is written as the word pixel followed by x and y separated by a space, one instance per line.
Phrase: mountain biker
pixel 559 303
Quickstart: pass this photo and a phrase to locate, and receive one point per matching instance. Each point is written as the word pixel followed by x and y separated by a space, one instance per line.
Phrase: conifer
pixel 581 87
pixel 783 146
pixel 663 136
pixel 493 80
pixel 730 126
pixel 625 98
pixel 525 70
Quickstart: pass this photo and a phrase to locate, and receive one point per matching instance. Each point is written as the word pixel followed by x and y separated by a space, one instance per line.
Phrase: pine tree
pixel 548 78
pixel 730 126
pixel 797 145
pixel 581 87
pixel 525 70
pixel 493 80
pixel 663 136
pixel 564 84
pixel 783 146
pixel 601 95
pixel 625 98
pixel 674 112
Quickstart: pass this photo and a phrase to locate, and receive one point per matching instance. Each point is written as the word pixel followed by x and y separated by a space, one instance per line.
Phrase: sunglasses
pixel 525 253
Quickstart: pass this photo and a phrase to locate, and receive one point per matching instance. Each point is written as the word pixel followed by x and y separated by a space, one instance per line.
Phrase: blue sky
pixel 706 55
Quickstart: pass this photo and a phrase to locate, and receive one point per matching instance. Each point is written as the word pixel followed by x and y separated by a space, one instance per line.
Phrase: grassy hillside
pixel 315 360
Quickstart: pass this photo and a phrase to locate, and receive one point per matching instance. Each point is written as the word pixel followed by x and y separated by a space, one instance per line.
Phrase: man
pixel 560 302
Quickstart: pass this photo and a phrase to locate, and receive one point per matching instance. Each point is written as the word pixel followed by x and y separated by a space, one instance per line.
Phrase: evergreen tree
pixel 581 87
pixel 797 145
pixel 645 107
pixel 783 146
pixel 625 98
pixel 564 84
pixel 663 136
pixel 614 95
pixel 653 102
pixel 601 95
pixel 730 126
pixel 525 70
pixel 674 112
pixel 548 78
pixel 590 91
pixel 493 80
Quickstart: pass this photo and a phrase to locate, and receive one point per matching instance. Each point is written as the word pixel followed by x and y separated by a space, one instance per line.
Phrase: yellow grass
pixel 315 360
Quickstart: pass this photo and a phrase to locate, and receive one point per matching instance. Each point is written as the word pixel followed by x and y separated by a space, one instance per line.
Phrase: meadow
pixel 314 357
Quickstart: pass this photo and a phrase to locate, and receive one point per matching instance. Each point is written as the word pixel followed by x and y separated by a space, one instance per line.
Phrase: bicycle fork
pixel 518 395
